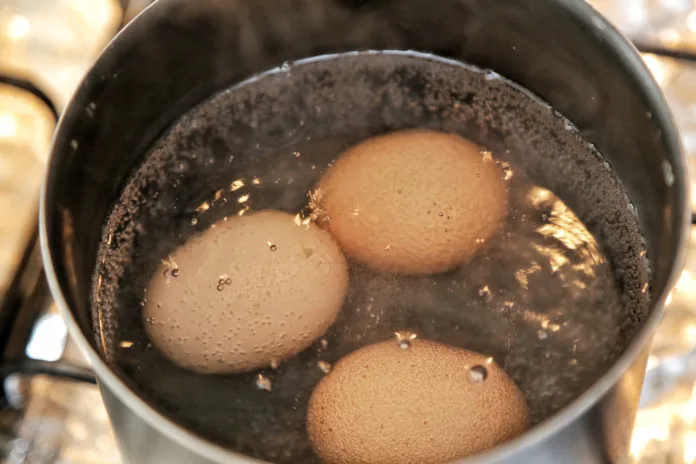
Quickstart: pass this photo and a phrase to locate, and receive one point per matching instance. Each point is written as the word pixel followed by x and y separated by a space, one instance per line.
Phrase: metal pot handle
pixel 26 299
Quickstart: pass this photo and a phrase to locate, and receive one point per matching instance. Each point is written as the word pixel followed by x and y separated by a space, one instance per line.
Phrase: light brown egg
pixel 425 404
pixel 413 202
pixel 250 291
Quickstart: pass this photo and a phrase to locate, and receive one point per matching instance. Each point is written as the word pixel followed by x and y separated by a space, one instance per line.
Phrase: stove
pixel 45 48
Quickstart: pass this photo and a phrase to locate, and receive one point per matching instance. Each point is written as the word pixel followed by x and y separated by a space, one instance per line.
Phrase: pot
pixel 179 52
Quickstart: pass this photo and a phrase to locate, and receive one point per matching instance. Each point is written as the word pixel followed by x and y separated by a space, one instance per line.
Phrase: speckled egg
pixel 413 402
pixel 414 202
pixel 245 293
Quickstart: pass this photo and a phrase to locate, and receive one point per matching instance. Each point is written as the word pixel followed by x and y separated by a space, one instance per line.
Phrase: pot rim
pixel 630 58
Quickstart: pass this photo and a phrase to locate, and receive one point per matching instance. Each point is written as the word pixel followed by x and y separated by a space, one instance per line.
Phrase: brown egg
pixel 413 402
pixel 413 202
pixel 246 293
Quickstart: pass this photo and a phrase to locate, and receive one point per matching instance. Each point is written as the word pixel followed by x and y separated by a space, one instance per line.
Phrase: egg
pixel 413 202
pixel 413 401
pixel 246 293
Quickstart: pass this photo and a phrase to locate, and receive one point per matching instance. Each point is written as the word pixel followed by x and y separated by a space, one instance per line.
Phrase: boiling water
pixel 552 298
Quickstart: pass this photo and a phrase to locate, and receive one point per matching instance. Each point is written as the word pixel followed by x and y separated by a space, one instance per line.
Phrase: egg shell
pixel 383 404
pixel 250 291
pixel 414 202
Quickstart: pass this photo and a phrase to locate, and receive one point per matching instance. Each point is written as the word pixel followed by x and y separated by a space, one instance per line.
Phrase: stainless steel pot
pixel 179 52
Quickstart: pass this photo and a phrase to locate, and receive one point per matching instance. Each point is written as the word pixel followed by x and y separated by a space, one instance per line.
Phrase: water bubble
pixel 220 287
pixel 236 185
pixel 428 212
pixel 405 339
pixel 228 281
pixel 478 374
pixel 507 170
pixel 175 272
pixel 203 207
pixel 399 192
pixel 485 293
pixel 194 221
pixel 442 214
pixel 263 383
pixel 273 247
pixel 324 366
pixel 181 167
